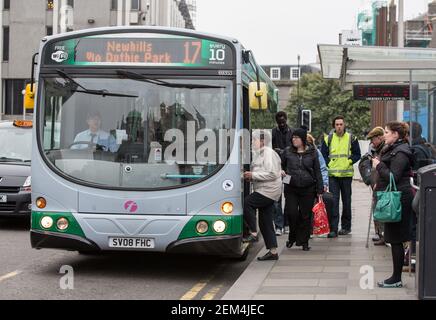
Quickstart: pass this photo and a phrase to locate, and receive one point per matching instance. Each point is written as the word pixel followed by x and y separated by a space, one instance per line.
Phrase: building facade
pixel 25 22
pixel 285 77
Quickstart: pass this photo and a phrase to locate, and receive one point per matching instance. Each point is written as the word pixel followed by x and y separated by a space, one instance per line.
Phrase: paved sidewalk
pixel 330 271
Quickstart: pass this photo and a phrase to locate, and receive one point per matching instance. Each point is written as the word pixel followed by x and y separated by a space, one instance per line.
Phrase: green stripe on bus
pixel 233 226
pixel 73 228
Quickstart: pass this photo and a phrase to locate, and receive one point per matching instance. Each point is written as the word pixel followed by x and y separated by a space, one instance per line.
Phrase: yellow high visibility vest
pixel 340 165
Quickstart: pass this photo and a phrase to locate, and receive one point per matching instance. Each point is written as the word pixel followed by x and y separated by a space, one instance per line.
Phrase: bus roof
pixel 151 29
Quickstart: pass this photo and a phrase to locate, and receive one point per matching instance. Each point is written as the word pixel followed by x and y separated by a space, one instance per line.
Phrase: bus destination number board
pixel 134 50
pixel 382 92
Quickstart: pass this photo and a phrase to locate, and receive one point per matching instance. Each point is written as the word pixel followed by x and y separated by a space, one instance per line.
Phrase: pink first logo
pixel 131 206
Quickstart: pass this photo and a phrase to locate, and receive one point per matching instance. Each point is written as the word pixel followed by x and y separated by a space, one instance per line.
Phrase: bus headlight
pixel 41 203
pixel 47 222
pixel 202 227
pixel 62 224
pixel 219 226
pixel 227 208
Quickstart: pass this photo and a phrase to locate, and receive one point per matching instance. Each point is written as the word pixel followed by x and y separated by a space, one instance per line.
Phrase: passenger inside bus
pixel 94 136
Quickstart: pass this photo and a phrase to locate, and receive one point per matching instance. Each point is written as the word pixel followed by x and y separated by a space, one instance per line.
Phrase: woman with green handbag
pixel 393 169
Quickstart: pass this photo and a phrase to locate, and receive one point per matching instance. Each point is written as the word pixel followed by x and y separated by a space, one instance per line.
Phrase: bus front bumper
pixel 51 240
pixel 230 246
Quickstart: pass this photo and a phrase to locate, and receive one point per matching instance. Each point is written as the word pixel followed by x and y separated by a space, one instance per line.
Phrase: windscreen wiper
pixel 6 159
pixel 139 77
pixel 101 92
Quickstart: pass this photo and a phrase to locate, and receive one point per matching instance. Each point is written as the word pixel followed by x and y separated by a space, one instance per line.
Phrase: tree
pixel 327 100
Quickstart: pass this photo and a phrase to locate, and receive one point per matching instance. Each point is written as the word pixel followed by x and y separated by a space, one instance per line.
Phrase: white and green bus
pixel 126 120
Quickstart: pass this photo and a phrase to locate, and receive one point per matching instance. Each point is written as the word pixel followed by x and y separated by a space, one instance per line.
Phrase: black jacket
pixel 281 139
pixel 398 159
pixel 303 168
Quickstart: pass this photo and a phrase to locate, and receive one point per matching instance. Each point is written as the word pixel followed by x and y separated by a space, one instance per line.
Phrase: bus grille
pixel 10 206
pixel 9 190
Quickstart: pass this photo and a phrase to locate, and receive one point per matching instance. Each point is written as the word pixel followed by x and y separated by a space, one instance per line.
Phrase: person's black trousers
pixel 341 188
pixel 298 208
pixel 266 217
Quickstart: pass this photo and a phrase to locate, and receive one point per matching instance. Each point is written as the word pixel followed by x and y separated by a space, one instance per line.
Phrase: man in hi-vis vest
pixel 340 150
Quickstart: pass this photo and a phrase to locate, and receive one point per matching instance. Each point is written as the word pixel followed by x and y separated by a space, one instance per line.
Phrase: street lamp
pixel 299 108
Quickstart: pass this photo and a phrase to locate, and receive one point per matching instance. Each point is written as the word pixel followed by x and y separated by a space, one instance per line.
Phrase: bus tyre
pixel 244 255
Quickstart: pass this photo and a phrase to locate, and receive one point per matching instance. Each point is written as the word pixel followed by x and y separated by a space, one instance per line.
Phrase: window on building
pixel 5 43
pixel 70 3
pixel 114 4
pixel 50 4
pixel 49 31
pixel 14 96
pixel 6 4
pixel 135 5
pixel 275 74
pixel 295 73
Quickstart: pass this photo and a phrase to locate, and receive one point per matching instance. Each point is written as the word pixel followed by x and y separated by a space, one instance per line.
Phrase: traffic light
pixel 29 97
pixel 306 119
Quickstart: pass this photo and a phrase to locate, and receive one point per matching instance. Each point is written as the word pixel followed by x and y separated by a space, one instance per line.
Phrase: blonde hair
pixel 310 139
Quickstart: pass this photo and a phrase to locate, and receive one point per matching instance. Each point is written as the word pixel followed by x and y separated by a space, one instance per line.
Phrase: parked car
pixel 15 180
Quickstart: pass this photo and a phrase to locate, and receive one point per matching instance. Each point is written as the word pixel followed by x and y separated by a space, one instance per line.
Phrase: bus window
pixel 88 136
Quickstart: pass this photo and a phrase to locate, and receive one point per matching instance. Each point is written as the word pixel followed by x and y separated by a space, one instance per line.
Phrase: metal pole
pixel 1 60
pixel 401 23
pixel 299 116
pixel 400 104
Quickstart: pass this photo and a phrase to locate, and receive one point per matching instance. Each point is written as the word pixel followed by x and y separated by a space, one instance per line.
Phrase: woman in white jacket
pixel 265 174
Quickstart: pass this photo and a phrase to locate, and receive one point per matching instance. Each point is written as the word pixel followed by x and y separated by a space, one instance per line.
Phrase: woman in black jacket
pixel 396 158
pixel 303 182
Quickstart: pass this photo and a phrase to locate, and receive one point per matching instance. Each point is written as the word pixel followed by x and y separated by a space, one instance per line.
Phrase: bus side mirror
pixel 29 97
pixel 255 94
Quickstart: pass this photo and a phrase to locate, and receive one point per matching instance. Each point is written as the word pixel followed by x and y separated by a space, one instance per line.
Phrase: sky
pixel 277 31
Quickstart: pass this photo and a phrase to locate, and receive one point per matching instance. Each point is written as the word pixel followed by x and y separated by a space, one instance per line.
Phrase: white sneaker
pixel 279 232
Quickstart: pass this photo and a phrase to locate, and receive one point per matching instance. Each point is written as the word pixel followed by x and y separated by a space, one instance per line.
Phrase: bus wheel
pixel 244 255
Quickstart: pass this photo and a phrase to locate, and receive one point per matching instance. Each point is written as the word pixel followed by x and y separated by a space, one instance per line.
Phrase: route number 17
pixel 192 52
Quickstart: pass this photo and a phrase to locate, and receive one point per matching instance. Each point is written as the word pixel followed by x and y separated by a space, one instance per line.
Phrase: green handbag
pixel 388 207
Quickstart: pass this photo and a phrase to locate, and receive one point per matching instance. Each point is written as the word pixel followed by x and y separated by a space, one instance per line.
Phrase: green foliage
pixel 262 119
pixel 327 100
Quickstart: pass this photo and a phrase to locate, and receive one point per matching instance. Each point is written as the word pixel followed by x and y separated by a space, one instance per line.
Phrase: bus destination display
pixel 140 51
pixel 381 92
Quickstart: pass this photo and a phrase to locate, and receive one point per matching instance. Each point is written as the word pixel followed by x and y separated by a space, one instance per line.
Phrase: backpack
pixel 424 154
pixel 365 169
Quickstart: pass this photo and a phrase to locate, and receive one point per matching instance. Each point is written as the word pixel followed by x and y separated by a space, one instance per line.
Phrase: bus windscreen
pixel 139 49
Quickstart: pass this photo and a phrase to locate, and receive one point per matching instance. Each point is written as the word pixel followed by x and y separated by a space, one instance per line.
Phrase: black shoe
pixel 251 238
pixel 332 235
pixel 306 247
pixel 269 256
pixel 344 232
pixel 289 244
pixel 380 242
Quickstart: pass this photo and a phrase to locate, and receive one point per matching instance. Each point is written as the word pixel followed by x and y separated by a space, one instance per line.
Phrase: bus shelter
pixel 406 79
pixel 406 76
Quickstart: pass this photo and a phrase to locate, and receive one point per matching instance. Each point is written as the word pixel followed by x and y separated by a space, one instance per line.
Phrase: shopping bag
pixel 388 207
pixel 320 219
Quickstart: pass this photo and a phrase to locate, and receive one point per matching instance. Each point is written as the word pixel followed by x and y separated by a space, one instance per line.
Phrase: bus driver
pixel 94 135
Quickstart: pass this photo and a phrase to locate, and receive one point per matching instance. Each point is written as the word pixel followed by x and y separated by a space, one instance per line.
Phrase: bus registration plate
pixel 3 198
pixel 135 243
